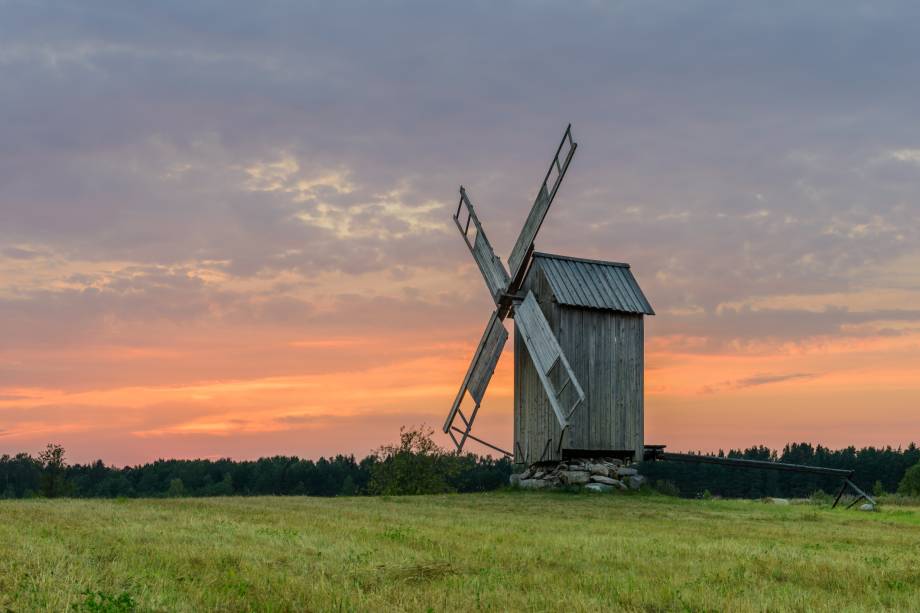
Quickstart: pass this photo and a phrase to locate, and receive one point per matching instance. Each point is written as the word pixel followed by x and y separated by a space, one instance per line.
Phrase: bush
pixel 910 484
pixel 416 466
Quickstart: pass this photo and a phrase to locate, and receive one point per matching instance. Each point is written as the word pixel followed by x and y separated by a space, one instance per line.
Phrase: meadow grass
pixel 497 551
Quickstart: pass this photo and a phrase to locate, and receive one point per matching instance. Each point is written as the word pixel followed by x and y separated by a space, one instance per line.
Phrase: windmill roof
pixel 593 284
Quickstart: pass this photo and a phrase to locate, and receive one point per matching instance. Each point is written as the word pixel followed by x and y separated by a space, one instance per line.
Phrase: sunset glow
pixel 234 238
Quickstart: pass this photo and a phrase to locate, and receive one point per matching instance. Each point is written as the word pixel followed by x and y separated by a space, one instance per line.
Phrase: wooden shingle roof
pixel 593 284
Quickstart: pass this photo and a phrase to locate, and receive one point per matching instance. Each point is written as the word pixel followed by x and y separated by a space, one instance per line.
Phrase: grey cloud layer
pixel 727 151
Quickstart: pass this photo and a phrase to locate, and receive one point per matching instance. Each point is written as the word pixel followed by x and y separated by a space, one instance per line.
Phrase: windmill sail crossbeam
pixel 546 354
pixel 491 267
pixel 478 376
pixel 523 247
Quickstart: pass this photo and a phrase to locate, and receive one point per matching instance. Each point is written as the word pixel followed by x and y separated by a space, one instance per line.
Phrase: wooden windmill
pixel 579 360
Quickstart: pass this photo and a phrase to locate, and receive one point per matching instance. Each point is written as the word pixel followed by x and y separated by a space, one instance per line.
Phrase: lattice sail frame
pixel 504 288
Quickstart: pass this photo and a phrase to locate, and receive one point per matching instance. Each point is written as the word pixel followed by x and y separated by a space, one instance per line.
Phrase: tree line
pixel 878 470
pixel 413 466
pixel 416 465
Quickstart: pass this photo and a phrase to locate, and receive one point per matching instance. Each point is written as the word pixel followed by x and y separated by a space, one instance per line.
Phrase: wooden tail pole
pixel 657 453
pixel 862 495
pixel 843 488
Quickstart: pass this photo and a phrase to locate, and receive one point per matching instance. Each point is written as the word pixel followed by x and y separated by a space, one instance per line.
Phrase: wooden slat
pixel 529 231
pixel 605 352
pixel 490 265
pixel 639 391
pixel 523 247
pixel 495 341
pixel 481 367
pixel 544 350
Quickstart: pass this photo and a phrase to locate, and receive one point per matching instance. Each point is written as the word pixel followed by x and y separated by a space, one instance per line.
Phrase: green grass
pixel 498 551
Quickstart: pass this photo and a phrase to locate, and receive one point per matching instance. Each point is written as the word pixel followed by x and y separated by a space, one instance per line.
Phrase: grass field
pixel 499 551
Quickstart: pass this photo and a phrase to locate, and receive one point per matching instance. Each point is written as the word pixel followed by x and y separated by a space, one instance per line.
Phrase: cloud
pixel 754 381
pixel 284 175
pixel 305 420
pixel 188 195
pixel 906 155
pixel 735 328
pixel 345 163
pixel 17 253
pixel 765 379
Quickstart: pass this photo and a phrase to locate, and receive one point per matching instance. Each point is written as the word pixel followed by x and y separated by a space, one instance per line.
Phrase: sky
pixel 225 227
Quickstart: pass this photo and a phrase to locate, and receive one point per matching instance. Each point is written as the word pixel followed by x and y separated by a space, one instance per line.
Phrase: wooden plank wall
pixel 535 422
pixel 606 352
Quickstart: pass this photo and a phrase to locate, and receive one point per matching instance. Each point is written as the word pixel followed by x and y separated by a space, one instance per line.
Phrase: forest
pixel 417 466
pixel 878 470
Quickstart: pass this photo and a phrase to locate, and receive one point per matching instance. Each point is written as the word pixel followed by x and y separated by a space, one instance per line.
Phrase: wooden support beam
pixel 482 442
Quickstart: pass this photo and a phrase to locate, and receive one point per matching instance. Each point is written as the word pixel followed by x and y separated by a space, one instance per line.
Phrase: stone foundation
pixel 591 474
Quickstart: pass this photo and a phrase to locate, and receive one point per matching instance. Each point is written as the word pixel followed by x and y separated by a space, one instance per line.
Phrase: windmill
pixel 578 341
pixel 579 356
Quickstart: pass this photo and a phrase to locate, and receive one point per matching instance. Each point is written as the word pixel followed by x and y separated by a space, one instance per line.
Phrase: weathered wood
pixel 545 352
pixel 605 350
pixel 495 341
pixel 481 369
pixel 467 435
pixel 535 421
pixel 523 246
pixel 746 463
pixel 581 326
pixel 490 265
pixel 529 232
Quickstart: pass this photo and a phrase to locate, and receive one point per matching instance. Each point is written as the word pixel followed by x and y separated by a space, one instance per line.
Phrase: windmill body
pixel 596 311
pixel 578 342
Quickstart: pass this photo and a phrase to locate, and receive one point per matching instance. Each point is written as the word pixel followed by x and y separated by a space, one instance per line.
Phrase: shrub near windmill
pixel 578 351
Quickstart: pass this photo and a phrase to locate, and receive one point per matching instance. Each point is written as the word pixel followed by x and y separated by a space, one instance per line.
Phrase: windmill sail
pixel 491 267
pixel 547 355
pixel 523 247
pixel 477 379
pixel 555 373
